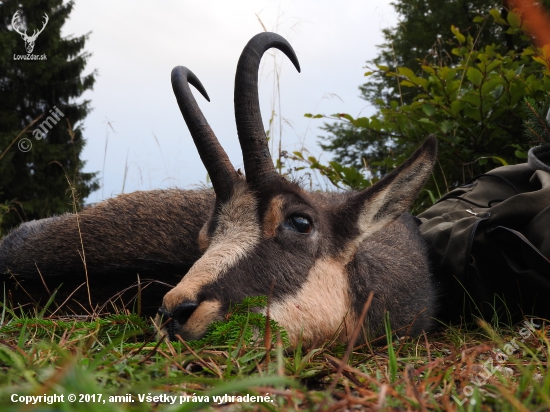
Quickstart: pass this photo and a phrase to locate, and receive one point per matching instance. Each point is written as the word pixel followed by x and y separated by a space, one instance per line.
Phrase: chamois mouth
pixel 177 318
pixel 189 319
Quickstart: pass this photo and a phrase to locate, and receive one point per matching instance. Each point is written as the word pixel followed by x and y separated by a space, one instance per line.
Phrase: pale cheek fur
pixel 321 308
pixel 235 237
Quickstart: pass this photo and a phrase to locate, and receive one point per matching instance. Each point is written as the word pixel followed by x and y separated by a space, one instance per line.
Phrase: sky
pixel 136 136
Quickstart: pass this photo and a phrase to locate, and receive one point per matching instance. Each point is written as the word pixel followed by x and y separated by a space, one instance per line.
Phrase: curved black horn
pixel 221 172
pixel 257 159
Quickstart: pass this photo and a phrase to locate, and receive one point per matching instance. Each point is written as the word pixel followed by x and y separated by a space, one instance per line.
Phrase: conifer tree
pixel 423 34
pixel 35 170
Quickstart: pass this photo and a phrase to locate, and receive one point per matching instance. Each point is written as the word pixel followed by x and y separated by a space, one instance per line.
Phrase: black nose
pixel 184 311
pixel 179 317
pixel 164 314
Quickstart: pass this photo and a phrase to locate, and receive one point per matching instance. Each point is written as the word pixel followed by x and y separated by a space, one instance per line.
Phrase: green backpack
pixel 489 242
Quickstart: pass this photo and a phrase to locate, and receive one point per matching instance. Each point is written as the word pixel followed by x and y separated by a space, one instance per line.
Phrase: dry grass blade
pixel 354 336
pixel 19 135
pixel 67 299
pixel 43 281
pixel 154 349
pixel 410 383
pixel 216 371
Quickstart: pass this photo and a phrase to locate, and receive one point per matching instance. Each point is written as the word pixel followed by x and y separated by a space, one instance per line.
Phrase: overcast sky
pixel 135 45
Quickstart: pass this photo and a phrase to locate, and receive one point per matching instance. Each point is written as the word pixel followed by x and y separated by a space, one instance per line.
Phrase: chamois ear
pixel 385 201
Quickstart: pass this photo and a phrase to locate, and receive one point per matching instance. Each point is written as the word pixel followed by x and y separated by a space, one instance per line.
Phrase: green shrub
pixel 473 105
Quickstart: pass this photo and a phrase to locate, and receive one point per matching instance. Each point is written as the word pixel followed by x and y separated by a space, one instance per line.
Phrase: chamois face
pixel 311 253
pixel 277 242
pixel 317 255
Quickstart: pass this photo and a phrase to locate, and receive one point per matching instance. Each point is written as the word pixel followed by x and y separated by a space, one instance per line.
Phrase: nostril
pixel 184 311
pixel 164 314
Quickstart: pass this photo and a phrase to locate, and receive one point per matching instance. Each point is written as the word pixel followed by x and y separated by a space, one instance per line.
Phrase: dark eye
pixel 300 224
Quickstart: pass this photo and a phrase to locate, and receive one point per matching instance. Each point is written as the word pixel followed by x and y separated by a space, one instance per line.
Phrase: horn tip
pixel 182 74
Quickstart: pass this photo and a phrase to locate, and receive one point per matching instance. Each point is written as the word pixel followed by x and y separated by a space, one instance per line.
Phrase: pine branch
pixel 536 125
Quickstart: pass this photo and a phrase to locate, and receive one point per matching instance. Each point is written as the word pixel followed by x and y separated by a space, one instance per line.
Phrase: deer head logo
pixel 29 40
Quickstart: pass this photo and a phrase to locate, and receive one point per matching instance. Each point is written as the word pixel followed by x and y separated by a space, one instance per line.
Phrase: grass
pixel 457 368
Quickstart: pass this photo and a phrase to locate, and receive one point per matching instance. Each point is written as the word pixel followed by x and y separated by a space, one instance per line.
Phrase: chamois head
pixel 318 255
